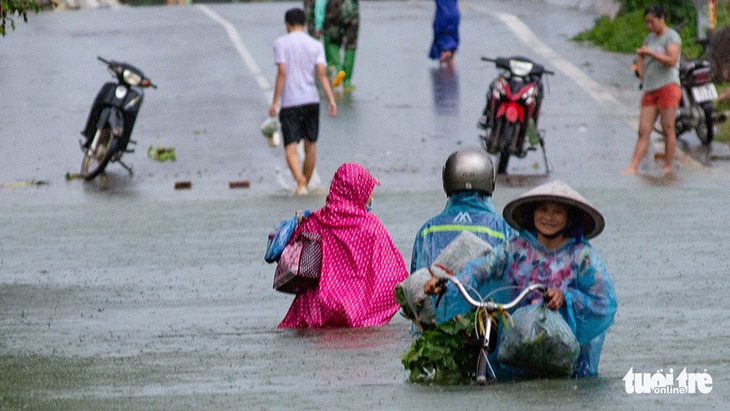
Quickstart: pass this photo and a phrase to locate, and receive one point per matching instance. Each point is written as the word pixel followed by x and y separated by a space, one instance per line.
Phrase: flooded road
pixel 127 294
pixel 149 303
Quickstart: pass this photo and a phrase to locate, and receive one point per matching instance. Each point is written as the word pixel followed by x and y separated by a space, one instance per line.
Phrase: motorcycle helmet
pixel 468 169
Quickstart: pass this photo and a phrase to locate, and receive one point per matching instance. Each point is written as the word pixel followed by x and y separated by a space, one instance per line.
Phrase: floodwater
pixel 140 302
pixel 127 294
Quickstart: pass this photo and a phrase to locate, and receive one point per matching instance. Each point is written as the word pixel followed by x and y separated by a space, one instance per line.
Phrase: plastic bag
pixel 409 293
pixel 462 249
pixel 279 238
pixel 540 342
pixel 417 306
pixel 270 130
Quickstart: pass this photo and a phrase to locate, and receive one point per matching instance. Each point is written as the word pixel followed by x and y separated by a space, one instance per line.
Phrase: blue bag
pixel 280 237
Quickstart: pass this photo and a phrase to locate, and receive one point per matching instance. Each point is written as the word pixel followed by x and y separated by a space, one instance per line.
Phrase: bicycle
pixel 483 320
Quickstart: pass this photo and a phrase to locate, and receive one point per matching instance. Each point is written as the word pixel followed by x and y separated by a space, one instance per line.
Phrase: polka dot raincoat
pixel 360 263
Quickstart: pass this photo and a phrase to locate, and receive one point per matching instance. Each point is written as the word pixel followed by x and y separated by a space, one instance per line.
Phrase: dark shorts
pixel 298 122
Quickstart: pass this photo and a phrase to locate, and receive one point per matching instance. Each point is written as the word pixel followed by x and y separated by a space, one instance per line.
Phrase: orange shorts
pixel 664 97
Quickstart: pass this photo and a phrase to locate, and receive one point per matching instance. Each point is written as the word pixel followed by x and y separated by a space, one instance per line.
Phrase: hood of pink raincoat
pixel 360 263
pixel 350 190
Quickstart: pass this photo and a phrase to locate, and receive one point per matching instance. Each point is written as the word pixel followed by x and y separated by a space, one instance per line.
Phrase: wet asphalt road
pixel 125 293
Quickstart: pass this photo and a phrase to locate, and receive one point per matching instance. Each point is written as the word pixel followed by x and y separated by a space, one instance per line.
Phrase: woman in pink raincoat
pixel 360 263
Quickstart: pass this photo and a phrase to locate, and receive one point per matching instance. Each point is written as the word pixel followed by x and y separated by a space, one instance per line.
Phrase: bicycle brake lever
pixel 442 283
pixel 438 300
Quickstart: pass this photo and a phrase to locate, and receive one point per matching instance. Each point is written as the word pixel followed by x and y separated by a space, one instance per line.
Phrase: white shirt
pixel 300 54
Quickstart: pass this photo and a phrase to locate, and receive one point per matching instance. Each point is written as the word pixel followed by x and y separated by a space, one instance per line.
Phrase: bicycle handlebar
pixel 491 306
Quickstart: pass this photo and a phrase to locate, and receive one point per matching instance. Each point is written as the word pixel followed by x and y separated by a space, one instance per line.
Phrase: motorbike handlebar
pixel 505 60
pixel 109 63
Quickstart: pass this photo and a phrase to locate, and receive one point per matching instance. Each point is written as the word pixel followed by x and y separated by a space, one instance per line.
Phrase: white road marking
pixel 526 35
pixel 248 59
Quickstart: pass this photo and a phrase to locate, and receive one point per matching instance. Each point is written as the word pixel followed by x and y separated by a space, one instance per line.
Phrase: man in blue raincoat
pixel 468 179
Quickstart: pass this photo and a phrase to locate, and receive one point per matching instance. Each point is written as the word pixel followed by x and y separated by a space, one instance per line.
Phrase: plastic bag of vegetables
pixel 540 342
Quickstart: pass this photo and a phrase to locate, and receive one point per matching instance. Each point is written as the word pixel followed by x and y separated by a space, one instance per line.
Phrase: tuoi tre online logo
pixel 660 383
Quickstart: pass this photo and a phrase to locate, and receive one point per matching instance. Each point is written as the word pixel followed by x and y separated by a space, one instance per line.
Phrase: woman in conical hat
pixel 552 248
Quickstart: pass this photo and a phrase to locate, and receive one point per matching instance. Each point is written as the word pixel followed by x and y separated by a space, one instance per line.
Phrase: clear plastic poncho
pixel 575 268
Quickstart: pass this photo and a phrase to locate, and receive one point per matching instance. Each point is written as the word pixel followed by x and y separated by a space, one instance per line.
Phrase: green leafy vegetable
pixel 445 353
pixel 160 153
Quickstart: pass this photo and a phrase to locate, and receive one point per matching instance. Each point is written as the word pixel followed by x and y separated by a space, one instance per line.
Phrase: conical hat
pixel 518 212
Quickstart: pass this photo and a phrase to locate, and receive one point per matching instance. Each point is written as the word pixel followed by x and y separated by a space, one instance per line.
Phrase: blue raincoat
pixel 445 28
pixel 467 210
pixel 575 268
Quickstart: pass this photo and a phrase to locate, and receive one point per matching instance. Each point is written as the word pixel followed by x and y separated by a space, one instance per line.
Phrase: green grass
pixel 626 32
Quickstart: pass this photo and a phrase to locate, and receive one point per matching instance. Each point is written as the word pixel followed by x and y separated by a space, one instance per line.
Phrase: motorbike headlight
pixel 520 68
pixel 131 78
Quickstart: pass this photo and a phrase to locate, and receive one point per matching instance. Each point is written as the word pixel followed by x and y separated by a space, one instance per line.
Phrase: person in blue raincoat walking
pixel 468 180
pixel 445 32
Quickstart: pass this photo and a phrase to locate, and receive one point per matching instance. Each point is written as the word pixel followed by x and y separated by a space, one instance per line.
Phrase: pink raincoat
pixel 360 263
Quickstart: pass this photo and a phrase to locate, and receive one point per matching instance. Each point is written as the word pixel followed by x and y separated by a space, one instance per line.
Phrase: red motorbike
pixel 512 111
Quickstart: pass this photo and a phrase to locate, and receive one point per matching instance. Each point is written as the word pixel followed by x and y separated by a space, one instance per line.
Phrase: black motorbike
pixel 696 111
pixel 109 126
pixel 512 111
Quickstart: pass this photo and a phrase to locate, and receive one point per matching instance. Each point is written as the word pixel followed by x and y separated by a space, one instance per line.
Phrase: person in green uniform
pixel 336 22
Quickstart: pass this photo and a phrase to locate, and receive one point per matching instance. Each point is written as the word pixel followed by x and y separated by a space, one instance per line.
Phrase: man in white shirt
pixel 298 56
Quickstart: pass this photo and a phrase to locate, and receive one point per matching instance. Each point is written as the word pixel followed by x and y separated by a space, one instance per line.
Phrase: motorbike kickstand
pixel 126 167
pixel 544 154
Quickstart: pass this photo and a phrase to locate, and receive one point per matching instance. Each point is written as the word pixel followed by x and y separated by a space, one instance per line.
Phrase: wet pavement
pixel 124 293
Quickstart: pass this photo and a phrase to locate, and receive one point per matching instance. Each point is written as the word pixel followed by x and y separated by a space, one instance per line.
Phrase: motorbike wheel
pixel 490 139
pixel 95 162
pixel 706 128
pixel 507 131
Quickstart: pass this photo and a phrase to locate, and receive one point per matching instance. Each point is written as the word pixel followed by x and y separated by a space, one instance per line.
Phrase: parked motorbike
pixel 696 110
pixel 111 119
pixel 511 115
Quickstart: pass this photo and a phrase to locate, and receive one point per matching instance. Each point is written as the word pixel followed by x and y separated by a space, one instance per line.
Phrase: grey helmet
pixel 468 169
